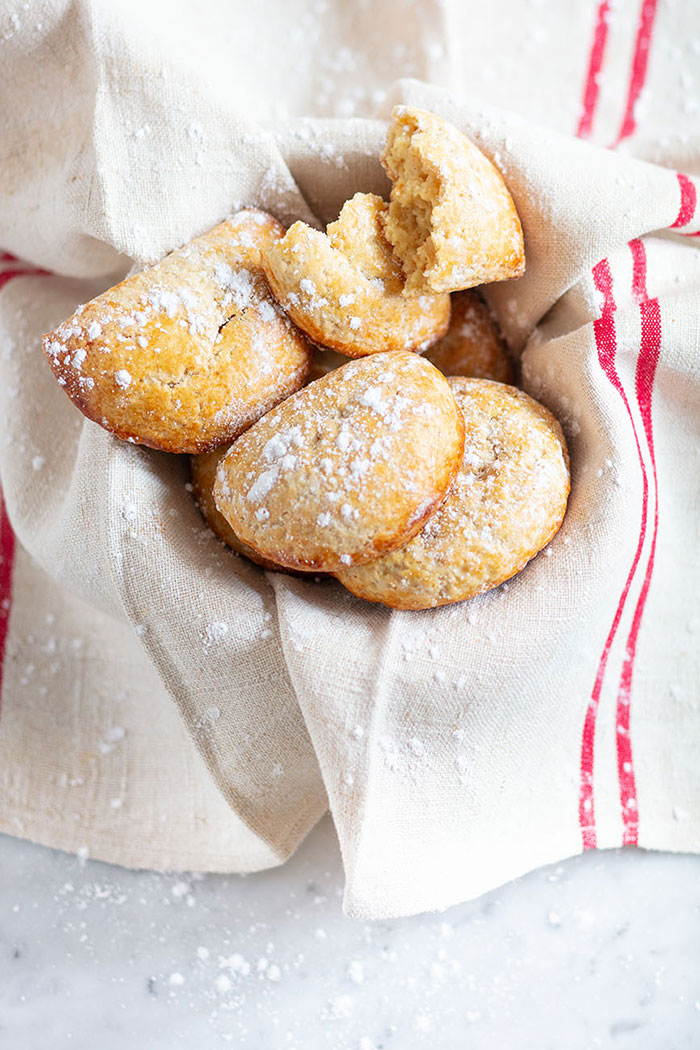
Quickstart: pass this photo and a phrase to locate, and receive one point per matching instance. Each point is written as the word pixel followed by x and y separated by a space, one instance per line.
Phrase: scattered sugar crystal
pixel 346 299
pixel 238 283
pixel 373 398
pixel 176 979
pixel 38 462
pixel 266 311
pixel 421 1023
pixel 263 485
pixel 358 467
pixel 340 1006
pixel 165 300
pixel 122 378
pixel 235 963
pixel 356 971
pixel 262 514
pixel 214 632
pixel 94 330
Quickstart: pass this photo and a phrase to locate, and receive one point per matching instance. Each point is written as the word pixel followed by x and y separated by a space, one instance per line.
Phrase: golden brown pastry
pixel 473 345
pixel 344 288
pixel 505 505
pixel 346 469
pixel 451 220
pixel 203 468
pixel 188 353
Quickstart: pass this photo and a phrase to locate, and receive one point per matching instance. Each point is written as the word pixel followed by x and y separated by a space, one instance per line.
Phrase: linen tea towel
pixel 457 748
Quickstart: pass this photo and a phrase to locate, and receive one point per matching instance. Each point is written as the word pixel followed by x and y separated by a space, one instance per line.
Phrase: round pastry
pixel 344 288
pixel 186 354
pixel 506 504
pixel 473 345
pixel 451 220
pixel 203 468
pixel 346 469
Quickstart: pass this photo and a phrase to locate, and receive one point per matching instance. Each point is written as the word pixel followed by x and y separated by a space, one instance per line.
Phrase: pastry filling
pixel 408 225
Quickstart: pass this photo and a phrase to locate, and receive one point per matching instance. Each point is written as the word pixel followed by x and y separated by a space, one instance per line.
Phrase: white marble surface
pixel 602 951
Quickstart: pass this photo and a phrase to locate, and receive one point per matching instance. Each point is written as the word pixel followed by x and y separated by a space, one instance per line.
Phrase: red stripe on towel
pixel 606 343
pixel 7 558
pixel 8 275
pixel 689 200
pixel 595 61
pixel 639 68
pixel 644 384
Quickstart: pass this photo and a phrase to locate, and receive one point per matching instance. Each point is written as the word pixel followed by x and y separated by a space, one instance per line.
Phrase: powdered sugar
pixel 123 378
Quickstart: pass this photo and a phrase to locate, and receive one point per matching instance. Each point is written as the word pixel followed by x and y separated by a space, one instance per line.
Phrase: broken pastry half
pixel 451 220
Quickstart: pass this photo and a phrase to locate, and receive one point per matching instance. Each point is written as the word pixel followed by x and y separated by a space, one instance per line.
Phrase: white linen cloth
pixel 458 747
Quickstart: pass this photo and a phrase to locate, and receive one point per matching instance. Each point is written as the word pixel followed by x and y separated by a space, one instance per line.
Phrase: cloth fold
pixel 457 748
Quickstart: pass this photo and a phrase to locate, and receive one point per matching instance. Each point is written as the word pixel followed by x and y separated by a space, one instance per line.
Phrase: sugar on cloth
pixel 167 704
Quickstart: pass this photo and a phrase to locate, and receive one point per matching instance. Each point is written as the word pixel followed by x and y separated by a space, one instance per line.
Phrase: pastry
pixel 451 220
pixel 507 502
pixel 186 354
pixel 473 345
pixel 203 467
pixel 344 288
pixel 346 469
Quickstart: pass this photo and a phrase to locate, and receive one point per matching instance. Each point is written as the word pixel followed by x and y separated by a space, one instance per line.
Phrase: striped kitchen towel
pixel 166 704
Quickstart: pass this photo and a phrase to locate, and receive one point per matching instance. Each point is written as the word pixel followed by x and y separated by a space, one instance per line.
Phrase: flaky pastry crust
pixel 346 469
pixel 186 354
pixel 472 345
pixel 203 470
pixel 507 502
pixel 451 220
